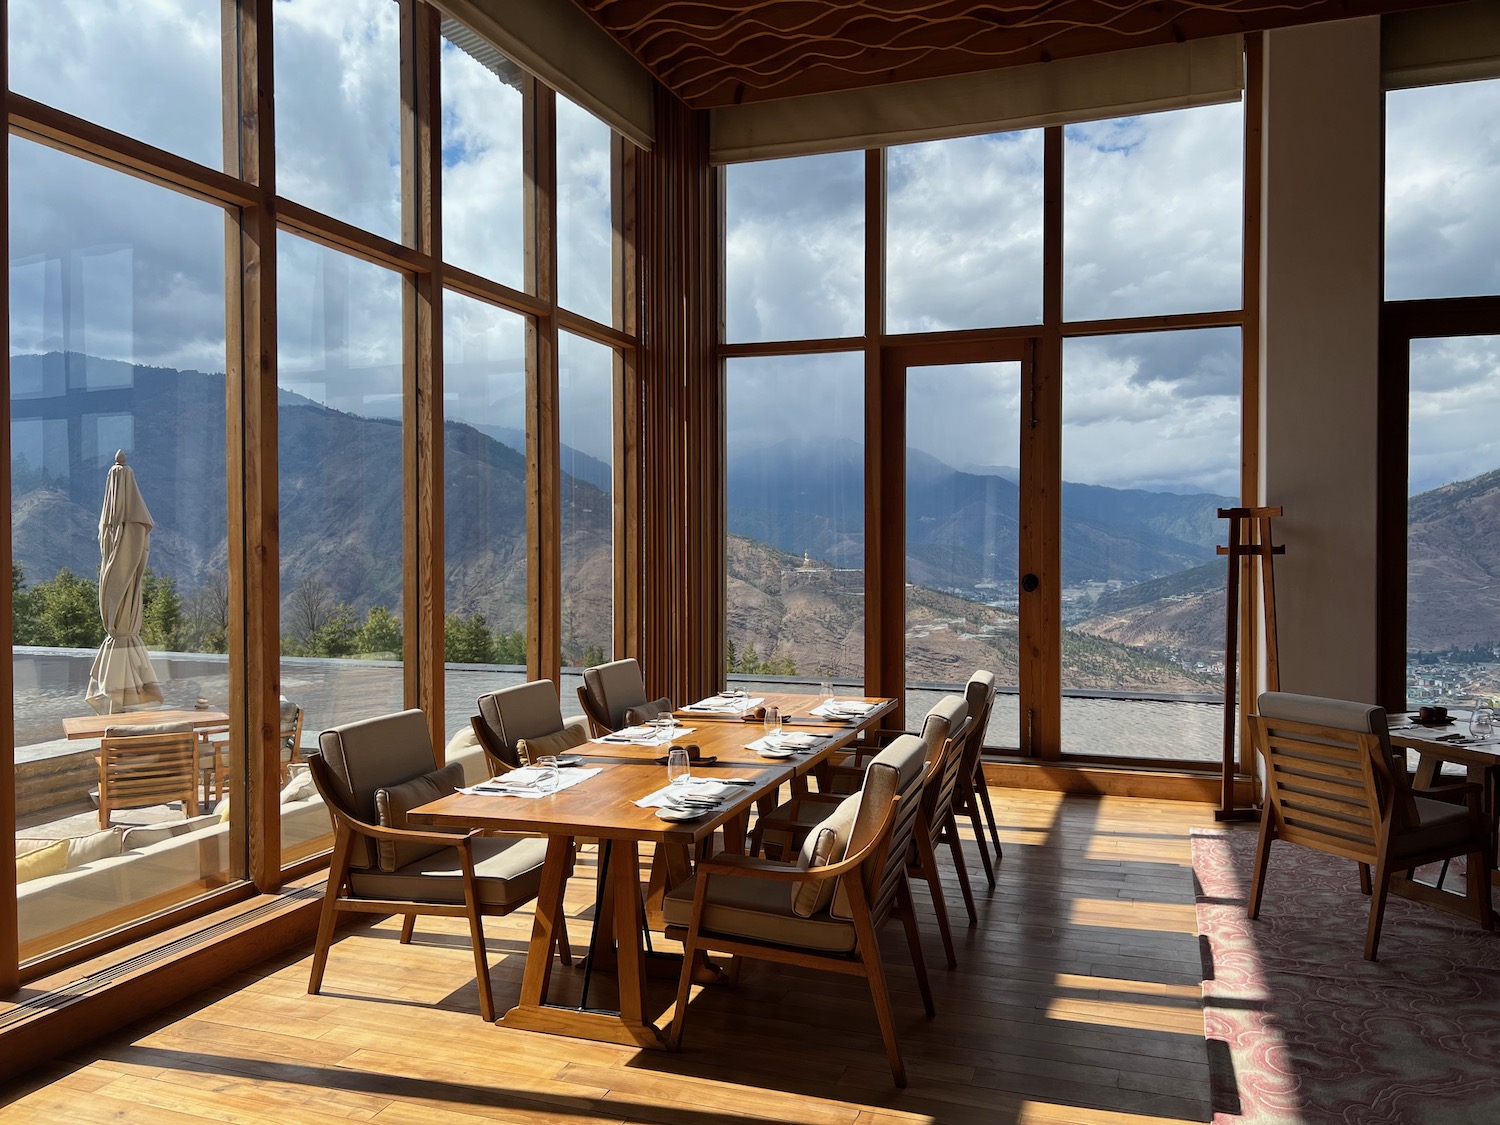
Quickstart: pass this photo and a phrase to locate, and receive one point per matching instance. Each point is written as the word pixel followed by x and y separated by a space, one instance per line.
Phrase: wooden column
pixel 9 933
pixel 543 511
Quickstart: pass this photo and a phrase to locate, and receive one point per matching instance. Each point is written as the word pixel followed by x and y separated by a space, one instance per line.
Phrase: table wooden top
pixel 604 805
pixel 94 726
pixel 1450 743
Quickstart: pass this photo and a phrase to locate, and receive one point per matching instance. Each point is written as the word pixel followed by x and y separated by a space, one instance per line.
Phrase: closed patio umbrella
pixel 122 675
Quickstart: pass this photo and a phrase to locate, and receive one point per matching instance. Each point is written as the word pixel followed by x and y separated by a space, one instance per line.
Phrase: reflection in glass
pixel 485 485
pixel 338 109
pixel 1150 434
pixel 339 360
pixel 962 520
pixel 964 233
pixel 117 343
pixel 150 71
pixel 795 582
pixel 586 273
pixel 585 409
pixel 794 248
pixel 1453 473
pixel 483 186
pixel 1442 238
pixel 1152 210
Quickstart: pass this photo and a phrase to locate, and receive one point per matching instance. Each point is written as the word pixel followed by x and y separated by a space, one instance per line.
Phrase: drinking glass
pixel 825 691
pixel 547 776
pixel 1482 719
pixel 679 768
pixel 665 728
pixel 772 727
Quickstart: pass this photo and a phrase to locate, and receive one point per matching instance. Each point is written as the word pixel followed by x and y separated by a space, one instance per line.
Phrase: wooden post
pixel 1249 538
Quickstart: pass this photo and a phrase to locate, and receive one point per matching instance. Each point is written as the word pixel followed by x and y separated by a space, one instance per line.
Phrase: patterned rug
pixel 1302 1029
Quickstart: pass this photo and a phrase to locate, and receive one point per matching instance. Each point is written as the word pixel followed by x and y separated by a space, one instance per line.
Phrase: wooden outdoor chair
pixel 1333 786
pixel 936 823
pixel 613 696
pixel 371 774
pixel 147 764
pixel 824 911
pixel 973 796
pixel 518 723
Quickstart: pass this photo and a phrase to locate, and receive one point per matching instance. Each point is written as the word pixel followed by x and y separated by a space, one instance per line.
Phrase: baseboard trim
pixel 1114 781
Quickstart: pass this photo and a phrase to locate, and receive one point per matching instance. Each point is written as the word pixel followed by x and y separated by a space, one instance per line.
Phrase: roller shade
pixel 561 46
pixel 1171 76
pixel 1450 44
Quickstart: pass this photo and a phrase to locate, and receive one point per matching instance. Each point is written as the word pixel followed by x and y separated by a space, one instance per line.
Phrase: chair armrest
pixel 412 835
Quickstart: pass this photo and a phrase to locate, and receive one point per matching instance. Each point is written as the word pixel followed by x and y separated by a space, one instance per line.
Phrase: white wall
pixel 1320 259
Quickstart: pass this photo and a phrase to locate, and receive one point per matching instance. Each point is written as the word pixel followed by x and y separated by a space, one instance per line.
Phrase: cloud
pixel 1455 400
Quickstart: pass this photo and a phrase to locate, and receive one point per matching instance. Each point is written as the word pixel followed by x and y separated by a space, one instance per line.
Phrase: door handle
pixel 1030 582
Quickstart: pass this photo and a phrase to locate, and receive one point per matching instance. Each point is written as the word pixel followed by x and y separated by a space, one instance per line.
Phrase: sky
pixel 109 265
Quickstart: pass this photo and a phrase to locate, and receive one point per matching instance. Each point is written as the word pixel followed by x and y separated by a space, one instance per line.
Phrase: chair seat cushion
pixel 1441 825
pixel 757 909
pixel 509 872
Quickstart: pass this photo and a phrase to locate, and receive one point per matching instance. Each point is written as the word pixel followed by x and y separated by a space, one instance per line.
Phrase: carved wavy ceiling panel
pixel 732 51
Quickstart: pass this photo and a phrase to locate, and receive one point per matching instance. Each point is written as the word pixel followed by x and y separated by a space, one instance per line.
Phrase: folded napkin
pixel 787 740
pixel 843 709
pixel 718 790
pixel 524 782
pixel 643 736
pixel 726 704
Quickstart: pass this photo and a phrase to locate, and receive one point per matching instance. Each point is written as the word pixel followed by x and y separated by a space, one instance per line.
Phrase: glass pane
pixel 150 71
pixel 964 233
pixel 483 173
pixel 1151 426
pixel 1152 213
pixel 795 598
pixel 585 409
pixel 338 110
pixel 339 358
pixel 962 519
pixel 586 273
pixel 1452 578
pixel 117 343
pixel 1441 182
pixel 794 248
pixel 484 499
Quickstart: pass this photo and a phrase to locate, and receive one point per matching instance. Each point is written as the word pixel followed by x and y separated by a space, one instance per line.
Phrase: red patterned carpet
pixel 1301 1028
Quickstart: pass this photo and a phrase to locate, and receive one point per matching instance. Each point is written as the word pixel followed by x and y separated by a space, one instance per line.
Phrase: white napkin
pixel 523 782
pixel 718 789
pixel 726 704
pixel 787 740
pixel 642 736
pixel 843 709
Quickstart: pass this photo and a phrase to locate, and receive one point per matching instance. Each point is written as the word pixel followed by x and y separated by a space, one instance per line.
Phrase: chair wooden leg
pixel 684 990
pixel 869 955
pixel 927 868
pixel 1382 886
pixel 1262 858
pixel 564 950
pixel 982 787
pixel 1478 888
pixel 907 907
pixel 482 965
pixel 337 869
pixel 956 847
pixel 971 802
pixel 1364 878
pixel 408 927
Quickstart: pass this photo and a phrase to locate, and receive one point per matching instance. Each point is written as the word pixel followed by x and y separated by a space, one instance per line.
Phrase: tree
pixel 66 612
pixel 161 621
pixel 381 633
pixel 467 640
pixel 309 610
pixel 593 655
pixel 24 630
pixel 731 657
pixel 750 659
pixel 206 627
pixel 510 648
pixel 338 633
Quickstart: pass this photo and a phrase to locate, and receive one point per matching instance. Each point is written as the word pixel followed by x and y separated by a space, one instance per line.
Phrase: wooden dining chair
pixel 371 774
pixel 613 696
pixel 1332 785
pixel 147 764
pixel 936 824
pixel 973 797
pixel 825 910
pixel 515 721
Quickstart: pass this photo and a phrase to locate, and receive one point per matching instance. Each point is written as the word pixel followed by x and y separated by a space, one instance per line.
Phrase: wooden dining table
pixel 1434 746
pixel 94 726
pixel 603 808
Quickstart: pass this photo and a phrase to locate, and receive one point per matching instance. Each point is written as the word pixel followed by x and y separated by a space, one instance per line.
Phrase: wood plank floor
pixel 1077 999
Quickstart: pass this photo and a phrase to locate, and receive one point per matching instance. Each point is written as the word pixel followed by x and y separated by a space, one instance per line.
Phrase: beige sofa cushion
pixel 135 730
pixel 394 802
pixel 825 844
pixel 558 742
pixel 509 871
pixel 758 909
pixel 144 835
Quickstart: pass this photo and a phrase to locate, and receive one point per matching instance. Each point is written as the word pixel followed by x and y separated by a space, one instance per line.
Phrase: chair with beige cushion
pixel 147 764
pixel 613 696
pixel 522 722
pixel 973 797
pixel 1332 785
pixel 825 910
pixel 371 774
pixel 936 825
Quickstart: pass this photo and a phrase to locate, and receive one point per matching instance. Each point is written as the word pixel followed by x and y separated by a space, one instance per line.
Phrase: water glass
pixel 1482 720
pixel 666 728
pixel 679 768
pixel 548 775
pixel 772 727
pixel 825 691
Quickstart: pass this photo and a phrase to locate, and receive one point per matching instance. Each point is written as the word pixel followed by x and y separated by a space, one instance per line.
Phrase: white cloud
pixel 1454 407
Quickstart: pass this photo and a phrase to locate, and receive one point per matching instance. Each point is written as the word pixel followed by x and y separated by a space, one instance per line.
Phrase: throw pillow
pixel 144 835
pixel 394 802
pixel 558 742
pixel 51 860
pixel 825 844
pixel 96 845
pixel 299 788
pixel 876 795
pixel 645 712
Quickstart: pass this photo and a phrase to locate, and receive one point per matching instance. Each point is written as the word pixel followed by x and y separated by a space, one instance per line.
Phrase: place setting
pixel 657 732
pixel 685 797
pixel 730 703
pixel 551 774
pixel 777 742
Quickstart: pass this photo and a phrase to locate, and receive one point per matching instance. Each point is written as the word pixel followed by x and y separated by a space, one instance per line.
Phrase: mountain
pixel 1182 614
pixel 575 463
pixel 1453 565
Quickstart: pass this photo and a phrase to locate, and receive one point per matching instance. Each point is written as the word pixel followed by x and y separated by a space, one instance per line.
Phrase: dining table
pixel 604 807
pixel 94 726
pixel 1479 757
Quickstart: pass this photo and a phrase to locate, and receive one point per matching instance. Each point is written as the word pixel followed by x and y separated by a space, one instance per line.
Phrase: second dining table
pixel 604 807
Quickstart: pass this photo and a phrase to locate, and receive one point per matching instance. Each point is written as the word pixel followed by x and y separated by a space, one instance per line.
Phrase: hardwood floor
pixel 1077 999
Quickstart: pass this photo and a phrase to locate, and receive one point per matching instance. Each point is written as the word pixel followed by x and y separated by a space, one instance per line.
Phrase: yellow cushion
pixel 51 860
pixel 558 742
pixel 824 845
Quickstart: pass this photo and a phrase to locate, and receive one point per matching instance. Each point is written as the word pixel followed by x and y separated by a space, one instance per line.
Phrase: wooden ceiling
pixel 724 52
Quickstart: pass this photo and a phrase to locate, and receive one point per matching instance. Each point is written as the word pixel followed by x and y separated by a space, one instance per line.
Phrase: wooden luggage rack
pixel 1249 539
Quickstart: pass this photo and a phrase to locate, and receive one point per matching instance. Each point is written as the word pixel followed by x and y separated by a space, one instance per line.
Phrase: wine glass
pixel 1481 720
pixel 772 727
pixel 825 691
pixel 679 767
